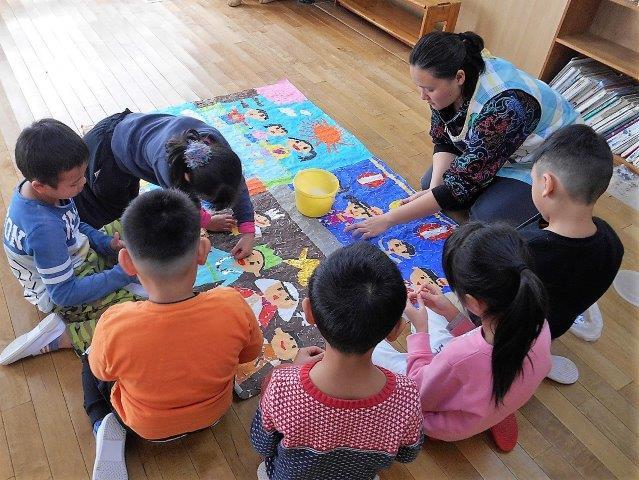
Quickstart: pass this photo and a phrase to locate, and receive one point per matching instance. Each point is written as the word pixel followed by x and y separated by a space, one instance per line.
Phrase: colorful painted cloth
pixel 277 131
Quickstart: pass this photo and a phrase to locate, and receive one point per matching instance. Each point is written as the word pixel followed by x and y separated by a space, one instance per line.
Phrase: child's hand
pixel 116 244
pixel 370 227
pixel 308 354
pixel 244 246
pixel 417 316
pixel 435 300
pixel 223 222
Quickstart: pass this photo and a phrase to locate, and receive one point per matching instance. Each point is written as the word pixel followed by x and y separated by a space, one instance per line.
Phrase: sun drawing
pixel 323 132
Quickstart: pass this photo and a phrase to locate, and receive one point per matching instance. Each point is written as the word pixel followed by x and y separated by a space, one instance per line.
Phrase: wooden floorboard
pixel 80 60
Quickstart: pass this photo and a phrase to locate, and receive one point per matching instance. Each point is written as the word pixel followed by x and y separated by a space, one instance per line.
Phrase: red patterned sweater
pixel 303 433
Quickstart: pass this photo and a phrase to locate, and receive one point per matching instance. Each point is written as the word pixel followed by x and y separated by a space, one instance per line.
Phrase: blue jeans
pixel 504 200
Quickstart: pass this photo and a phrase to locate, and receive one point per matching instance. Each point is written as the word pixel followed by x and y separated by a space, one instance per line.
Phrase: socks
pixel 96 425
pixel 51 347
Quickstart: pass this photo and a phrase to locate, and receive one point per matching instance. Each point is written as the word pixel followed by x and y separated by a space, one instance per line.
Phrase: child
pixel 339 416
pixel 169 151
pixel 59 260
pixel 577 255
pixel 480 378
pixel 168 362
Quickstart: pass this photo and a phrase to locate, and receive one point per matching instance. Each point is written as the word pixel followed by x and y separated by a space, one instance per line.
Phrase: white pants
pixel 386 356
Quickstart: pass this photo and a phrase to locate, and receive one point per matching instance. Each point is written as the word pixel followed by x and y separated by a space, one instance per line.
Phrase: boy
pixel 57 259
pixel 577 255
pixel 164 367
pixel 339 416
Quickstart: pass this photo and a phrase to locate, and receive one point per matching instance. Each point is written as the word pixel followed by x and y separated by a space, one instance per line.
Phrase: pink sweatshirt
pixel 455 386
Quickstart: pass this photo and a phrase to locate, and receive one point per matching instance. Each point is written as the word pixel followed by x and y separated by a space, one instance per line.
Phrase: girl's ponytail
pixel 490 263
pixel 516 330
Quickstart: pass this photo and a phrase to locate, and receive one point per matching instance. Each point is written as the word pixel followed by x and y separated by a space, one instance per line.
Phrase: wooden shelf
pixel 622 161
pixel 400 23
pixel 632 6
pixel 609 53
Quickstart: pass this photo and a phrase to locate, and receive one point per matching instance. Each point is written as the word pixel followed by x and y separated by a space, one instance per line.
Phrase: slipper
pixel 30 343
pixel 563 370
pixel 505 433
pixel 109 450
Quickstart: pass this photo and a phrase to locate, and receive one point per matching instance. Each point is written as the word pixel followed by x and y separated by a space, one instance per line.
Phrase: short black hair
pixel 162 228
pixel 357 296
pixel 580 158
pixel 47 148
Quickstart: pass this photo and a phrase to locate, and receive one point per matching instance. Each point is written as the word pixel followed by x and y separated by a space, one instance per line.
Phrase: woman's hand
pixel 417 316
pixel 308 354
pixel 434 299
pixel 414 196
pixel 223 222
pixel 244 246
pixel 370 227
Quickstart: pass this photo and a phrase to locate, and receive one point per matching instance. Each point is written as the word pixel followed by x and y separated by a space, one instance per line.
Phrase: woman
pixel 487 117
pixel 172 152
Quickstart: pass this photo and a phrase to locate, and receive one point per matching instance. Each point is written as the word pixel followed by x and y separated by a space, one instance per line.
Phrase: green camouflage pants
pixel 82 319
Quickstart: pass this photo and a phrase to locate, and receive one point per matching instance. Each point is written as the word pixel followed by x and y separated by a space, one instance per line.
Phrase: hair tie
pixel 197 154
pixel 521 267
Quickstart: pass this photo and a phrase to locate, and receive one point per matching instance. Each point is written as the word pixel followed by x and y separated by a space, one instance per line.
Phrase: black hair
pixel 277 125
pixel 216 181
pixel 431 274
pixel 262 111
pixel 48 148
pixel 173 232
pixel 410 249
pixel 357 296
pixel 445 53
pixel 580 158
pixel 361 204
pixel 305 156
pixel 490 262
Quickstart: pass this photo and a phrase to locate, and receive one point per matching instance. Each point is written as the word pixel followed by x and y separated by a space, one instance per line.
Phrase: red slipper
pixel 505 433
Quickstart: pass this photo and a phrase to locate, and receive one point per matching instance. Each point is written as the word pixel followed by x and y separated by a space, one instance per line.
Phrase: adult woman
pixel 487 117
pixel 172 152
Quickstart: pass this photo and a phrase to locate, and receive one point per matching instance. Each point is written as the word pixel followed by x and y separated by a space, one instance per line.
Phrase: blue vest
pixel 556 111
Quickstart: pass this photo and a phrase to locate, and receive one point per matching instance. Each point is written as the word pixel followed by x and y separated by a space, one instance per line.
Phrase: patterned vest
pixel 556 112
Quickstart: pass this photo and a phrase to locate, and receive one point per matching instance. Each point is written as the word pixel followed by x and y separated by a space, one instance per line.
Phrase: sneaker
pixel 109 450
pixel 261 472
pixel 30 343
pixel 563 370
pixel 588 325
pixel 505 433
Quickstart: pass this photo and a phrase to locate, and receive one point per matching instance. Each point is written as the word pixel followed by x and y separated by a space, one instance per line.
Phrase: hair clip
pixel 197 154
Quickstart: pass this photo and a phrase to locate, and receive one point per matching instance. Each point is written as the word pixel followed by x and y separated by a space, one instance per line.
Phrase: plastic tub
pixel 315 191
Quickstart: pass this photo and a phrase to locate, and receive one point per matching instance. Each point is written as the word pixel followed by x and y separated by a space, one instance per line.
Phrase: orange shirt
pixel 174 364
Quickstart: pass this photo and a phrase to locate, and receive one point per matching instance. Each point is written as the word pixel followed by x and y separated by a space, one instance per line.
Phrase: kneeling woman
pixel 169 151
pixel 487 116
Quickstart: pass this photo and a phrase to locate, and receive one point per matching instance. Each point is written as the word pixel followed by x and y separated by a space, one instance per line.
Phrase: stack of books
pixel 608 101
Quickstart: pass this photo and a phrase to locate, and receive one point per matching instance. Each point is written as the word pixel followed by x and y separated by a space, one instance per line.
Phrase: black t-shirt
pixel 575 271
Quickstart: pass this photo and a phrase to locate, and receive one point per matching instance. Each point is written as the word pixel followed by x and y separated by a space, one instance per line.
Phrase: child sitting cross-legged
pixel 335 415
pixel 63 264
pixel 479 378
pixel 165 366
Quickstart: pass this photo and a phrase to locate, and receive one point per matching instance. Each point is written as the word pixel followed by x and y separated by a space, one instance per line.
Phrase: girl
pixel 172 152
pixel 487 117
pixel 480 378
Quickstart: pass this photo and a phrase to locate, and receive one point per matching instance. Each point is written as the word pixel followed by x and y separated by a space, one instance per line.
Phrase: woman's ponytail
pixel 491 263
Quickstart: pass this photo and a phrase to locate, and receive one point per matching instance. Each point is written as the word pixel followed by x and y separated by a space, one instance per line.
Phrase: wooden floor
pixel 80 60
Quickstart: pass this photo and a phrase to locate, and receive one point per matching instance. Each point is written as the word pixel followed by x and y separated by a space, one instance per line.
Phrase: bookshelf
pixel 606 31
